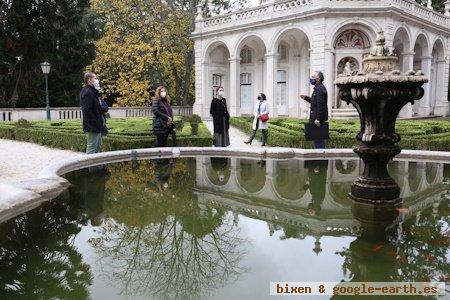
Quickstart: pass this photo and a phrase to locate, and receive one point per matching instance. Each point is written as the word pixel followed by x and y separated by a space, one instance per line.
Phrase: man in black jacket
pixel 319 108
pixel 93 123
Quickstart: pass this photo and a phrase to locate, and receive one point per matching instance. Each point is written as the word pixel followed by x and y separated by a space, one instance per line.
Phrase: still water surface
pixel 223 228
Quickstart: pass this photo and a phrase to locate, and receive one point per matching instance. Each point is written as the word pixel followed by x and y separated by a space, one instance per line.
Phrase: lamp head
pixel 45 66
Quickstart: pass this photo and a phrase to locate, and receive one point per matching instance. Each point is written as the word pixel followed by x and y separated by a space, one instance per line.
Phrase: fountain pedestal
pixel 379 93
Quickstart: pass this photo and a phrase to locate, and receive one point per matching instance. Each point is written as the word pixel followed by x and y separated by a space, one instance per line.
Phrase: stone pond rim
pixel 379 93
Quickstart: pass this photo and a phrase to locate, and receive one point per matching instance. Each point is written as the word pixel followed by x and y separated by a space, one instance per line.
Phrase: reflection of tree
pixel 165 243
pixel 37 259
pixel 416 251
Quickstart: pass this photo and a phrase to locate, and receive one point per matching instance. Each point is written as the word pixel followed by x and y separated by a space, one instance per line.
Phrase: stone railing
pixel 292 7
pixel 74 113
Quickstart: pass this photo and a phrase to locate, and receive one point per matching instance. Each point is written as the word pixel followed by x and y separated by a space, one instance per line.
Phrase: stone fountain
pixel 378 93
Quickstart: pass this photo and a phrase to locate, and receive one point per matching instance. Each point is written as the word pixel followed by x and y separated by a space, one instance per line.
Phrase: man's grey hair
pixel 320 75
pixel 87 76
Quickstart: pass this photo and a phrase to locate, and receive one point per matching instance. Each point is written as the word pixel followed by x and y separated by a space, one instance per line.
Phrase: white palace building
pixel 274 47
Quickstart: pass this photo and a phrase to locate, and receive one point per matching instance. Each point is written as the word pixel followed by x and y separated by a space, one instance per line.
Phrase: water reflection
pixel 186 228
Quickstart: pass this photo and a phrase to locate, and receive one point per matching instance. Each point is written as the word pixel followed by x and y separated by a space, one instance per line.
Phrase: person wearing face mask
pixel 260 120
pixel 93 122
pixel 104 106
pixel 319 107
pixel 221 119
pixel 162 117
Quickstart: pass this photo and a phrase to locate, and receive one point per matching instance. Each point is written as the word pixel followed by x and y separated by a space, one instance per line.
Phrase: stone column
pixel 271 73
pixel 234 86
pixel 328 74
pixel 424 103
pixel 441 107
pixel 201 86
pixel 294 106
pixel 408 61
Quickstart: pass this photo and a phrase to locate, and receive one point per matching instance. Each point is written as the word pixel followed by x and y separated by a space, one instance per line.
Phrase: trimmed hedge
pixel 415 134
pixel 69 135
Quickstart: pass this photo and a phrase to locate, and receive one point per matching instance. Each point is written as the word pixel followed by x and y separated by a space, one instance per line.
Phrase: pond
pixel 224 228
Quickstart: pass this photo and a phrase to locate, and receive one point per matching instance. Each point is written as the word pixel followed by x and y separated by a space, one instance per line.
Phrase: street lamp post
pixel 45 66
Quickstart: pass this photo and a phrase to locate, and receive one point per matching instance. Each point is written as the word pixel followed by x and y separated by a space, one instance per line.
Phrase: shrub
pixel 69 135
pixel 415 134
pixel 23 123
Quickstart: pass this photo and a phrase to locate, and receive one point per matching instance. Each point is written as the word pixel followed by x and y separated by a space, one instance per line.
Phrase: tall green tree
pixel 144 44
pixel 32 31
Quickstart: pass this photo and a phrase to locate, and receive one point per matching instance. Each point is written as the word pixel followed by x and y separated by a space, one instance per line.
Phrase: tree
pixel 146 43
pixel 33 31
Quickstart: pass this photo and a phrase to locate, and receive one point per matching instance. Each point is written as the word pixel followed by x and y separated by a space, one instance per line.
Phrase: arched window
pixel 217 81
pixel 246 90
pixel 281 89
pixel 282 51
pixel 246 56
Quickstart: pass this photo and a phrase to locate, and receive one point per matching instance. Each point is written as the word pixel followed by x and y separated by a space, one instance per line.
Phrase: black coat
pixel 221 117
pixel 160 117
pixel 319 106
pixel 92 112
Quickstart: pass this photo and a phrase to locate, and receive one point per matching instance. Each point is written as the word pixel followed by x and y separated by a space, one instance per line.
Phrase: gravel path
pixel 237 137
pixel 20 160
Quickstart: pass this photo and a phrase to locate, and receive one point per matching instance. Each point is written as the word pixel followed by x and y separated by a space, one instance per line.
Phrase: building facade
pixel 274 47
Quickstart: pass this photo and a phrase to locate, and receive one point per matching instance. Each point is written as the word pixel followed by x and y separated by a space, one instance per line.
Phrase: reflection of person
pixel 219 165
pixel 319 109
pixel 163 168
pixel 221 118
pixel 93 190
pixel 261 111
pixel 317 173
pixel 162 117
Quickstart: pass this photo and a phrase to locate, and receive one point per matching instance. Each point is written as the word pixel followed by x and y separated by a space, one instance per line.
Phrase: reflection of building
pixel 273 48
pixel 278 192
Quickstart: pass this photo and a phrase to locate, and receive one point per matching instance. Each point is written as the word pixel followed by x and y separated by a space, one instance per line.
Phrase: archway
pixel 437 74
pixel 350 45
pixel 421 52
pixel 251 50
pixel 251 175
pixel 217 69
pixel 402 45
pixel 292 69
pixel 291 179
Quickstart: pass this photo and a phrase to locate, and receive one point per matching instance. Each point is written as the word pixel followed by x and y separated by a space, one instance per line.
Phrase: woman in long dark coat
pixel 221 119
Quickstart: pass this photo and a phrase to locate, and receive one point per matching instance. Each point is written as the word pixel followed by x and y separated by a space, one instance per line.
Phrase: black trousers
pixel 265 134
pixel 161 140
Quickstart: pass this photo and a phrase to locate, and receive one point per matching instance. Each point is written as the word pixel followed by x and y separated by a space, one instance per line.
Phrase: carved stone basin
pixel 379 93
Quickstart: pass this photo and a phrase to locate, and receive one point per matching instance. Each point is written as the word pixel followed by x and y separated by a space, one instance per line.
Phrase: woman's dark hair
pixel 263 96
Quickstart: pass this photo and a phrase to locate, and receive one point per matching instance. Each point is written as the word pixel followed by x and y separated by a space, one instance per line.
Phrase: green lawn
pixel 127 133
pixel 415 134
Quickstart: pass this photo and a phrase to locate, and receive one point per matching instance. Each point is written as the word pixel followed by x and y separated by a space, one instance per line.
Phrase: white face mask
pixel 163 94
pixel 96 84
pixel 220 93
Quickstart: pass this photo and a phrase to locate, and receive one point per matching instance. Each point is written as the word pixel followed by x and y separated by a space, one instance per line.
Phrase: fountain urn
pixel 378 93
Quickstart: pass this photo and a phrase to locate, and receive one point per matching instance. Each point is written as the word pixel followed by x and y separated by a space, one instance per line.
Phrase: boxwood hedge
pixel 426 134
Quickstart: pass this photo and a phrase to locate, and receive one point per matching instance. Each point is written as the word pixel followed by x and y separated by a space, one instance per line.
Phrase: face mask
pixel 163 94
pixel 220 93
pixel 312 81
pixel 96 84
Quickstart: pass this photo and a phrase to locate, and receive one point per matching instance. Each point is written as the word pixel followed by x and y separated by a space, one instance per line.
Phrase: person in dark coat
pixel 319 107
pixel 162 116
pixel 93 123
pixel 317 173
pixel 221 119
